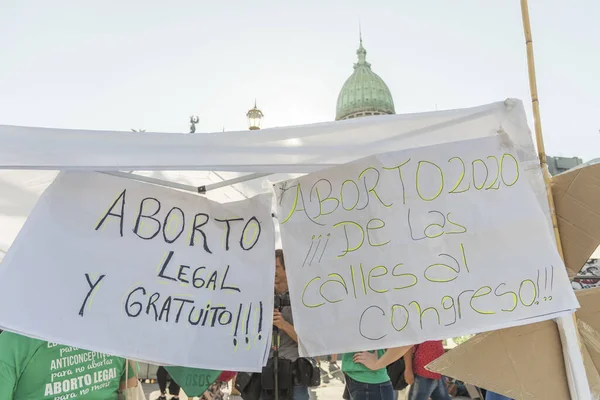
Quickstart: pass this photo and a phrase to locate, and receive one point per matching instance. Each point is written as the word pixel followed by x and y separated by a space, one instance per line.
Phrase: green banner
pixel 193 381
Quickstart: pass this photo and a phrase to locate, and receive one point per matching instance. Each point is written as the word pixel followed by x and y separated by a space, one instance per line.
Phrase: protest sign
pixel 145 272
pixel 415 245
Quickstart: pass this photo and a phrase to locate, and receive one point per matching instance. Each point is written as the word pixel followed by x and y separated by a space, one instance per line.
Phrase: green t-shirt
pixel 31 369
pixel 362 374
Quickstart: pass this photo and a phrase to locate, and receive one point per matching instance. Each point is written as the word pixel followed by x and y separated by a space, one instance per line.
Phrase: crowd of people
pixel 32 369
pixel 365 374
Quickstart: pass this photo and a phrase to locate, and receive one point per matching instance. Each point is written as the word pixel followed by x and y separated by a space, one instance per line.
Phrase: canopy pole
pixel 575 369
pixel 190 188
pixel 229 182
pixel 155 181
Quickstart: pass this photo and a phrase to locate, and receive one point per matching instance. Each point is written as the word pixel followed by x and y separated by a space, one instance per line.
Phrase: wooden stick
pixel 576 377
pixel 537 121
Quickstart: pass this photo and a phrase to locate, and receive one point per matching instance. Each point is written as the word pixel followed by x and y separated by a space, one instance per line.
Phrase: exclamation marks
pixel 260 318
pixel 242 324
pixel 549 281
pixel 248 315
pixel 237 325
pixel 257 325
pixel 537 301
pixel 313 253
pixel 548 284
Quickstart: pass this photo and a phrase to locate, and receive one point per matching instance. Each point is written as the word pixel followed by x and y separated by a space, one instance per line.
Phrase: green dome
pixel 364 92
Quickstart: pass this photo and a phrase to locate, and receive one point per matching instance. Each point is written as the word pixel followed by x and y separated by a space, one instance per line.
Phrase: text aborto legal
pixel 149 259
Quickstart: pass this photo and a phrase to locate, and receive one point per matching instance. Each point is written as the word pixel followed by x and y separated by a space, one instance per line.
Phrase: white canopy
pixel 295 149
pixel 276 151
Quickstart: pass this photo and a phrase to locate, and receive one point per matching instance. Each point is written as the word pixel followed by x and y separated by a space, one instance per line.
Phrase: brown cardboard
pixel 577 202
pixel 591 373
pixel 523 363
pixel 526 362
pixel 588 321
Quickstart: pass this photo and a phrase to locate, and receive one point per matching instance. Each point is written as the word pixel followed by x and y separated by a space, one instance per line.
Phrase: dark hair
pixel 279 255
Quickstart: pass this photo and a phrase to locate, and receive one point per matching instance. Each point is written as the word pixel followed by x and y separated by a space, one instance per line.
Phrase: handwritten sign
pixel 417 245
pixel 144 272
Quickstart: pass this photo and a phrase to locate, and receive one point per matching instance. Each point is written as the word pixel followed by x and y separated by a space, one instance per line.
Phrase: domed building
pixel 364 93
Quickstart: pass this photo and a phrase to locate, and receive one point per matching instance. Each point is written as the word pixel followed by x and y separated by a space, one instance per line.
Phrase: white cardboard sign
pixel 416 245
pixel 145 272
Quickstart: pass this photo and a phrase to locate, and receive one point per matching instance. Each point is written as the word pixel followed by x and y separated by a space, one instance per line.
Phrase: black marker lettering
pixel 196 228
pixel 137 303
pixel 256 236
pixel 181 274
pixel 167 224
pixel 216 313
pixel 92 287
pixel 164 266
pixel 151 303
pixel 223 287
pixel 166 309
pixel 121 198
pixel 227 223
pixel 196 322
pixel 183 301
pixel 150 217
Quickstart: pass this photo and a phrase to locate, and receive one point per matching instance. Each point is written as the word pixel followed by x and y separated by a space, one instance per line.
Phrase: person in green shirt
pixel 32 369
pixel 366 373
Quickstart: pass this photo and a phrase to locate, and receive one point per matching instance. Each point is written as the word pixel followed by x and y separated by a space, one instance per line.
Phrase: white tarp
pixel 294 149
pixel 102 258
pixel 297 149
pixel 417 245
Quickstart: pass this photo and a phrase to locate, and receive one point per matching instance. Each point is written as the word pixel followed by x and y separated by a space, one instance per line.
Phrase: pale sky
pixel 151 64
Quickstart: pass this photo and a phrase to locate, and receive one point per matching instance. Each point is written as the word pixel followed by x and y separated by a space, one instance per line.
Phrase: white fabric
pixel 416 245
pixel 290 149
pixel 107 256
pixel 283 151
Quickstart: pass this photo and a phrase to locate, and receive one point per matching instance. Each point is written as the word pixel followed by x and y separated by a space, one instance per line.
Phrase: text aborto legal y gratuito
pixel 123 265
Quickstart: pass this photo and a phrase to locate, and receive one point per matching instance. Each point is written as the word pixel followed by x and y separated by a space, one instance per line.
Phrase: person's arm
pixel 16 352
pixel 409 373
pixel 8 381
pixel 8 371
pixel 371 361
pixel 285 326
pixel 132 381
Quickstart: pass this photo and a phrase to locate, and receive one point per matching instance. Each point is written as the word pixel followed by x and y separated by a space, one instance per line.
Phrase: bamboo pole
pixel 537 120
pixel 576 376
